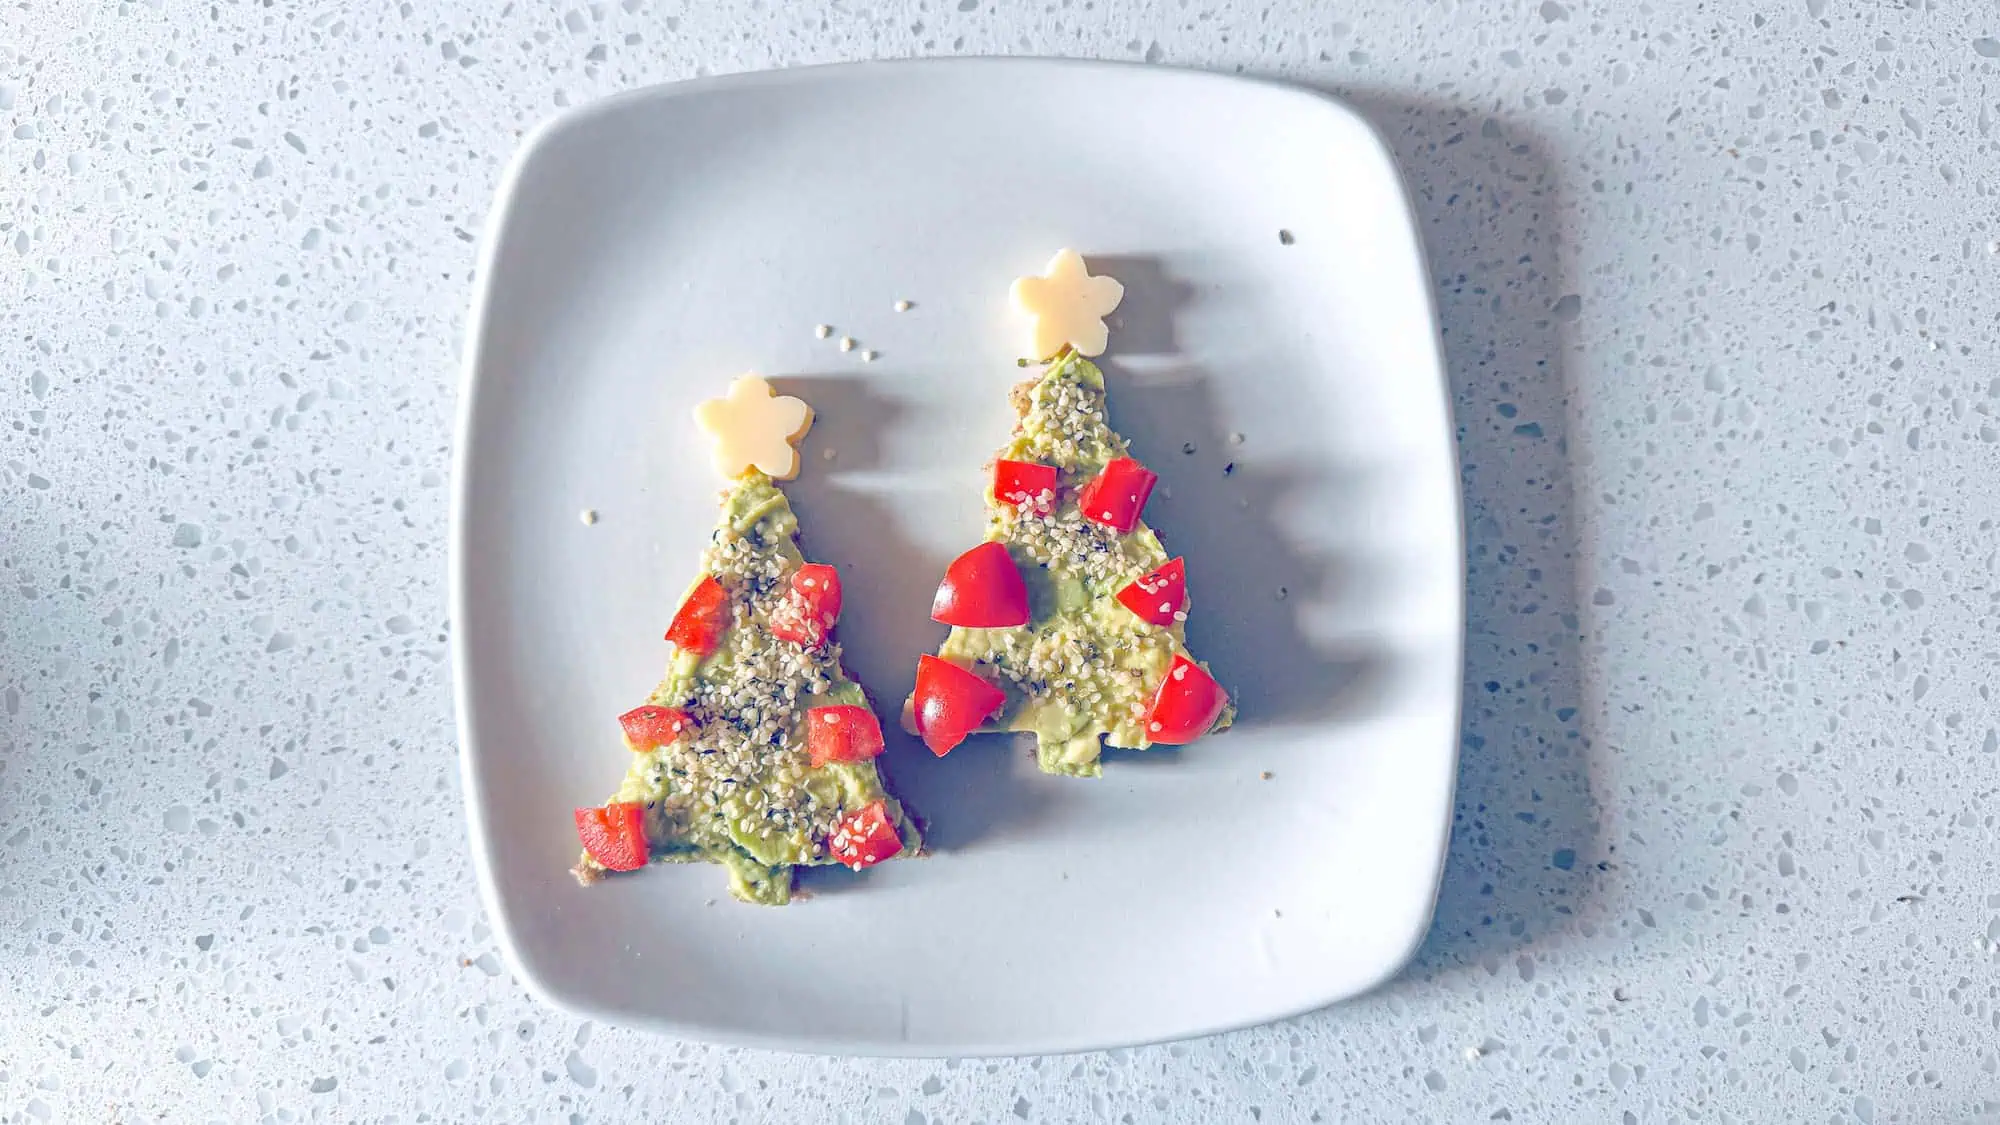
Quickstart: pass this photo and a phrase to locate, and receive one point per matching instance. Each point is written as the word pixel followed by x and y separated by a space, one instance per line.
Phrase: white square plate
pixel 646 249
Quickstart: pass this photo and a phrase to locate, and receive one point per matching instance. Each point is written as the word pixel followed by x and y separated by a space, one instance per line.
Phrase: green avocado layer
pixel 741 791
pixel 1083 672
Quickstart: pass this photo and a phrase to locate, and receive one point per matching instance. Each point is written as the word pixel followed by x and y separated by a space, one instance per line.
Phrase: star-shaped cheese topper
pixel 754 428
pixel 1068 306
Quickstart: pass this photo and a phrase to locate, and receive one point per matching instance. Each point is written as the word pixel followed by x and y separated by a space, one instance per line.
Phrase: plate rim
pixel 493 237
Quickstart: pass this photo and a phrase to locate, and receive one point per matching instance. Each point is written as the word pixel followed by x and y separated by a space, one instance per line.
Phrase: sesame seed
pixel 847 343
pixel 588 516
pixel 868 356
pixel 822 330
pixel 904 306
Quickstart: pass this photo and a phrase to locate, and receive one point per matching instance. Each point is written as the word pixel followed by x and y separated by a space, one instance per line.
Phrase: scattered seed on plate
pixel 826 454
pixel 1236 438
pixel 1285 237
pixel 1265 775
pixel 868 356
pixel 588 516
pixel 904 306
pixel 847 343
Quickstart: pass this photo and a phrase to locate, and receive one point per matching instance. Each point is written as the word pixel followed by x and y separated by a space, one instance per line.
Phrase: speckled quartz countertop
pixel 1717 290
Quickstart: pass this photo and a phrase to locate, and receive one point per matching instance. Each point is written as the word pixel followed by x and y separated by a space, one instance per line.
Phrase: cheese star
pixel 1068 306
pixel 754 428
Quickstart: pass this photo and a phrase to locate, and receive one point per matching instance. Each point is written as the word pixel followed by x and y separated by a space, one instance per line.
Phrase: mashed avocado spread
pixel 741 790
pixel 1084 671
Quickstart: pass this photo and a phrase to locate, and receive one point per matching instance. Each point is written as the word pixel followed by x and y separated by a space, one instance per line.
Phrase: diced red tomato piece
pixel 614 835
pixel 810 608
pixel 1159 598
pixel 865 837
pixel 1116 496
pixel 1025 484
pixel 982 589
pixel 1187 704
pixel 951 702
pixel 703 618
pixel 648 727
pixel 842 734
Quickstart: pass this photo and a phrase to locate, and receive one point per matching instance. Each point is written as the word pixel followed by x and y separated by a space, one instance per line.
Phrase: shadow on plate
pixel 1248 580
pixel 1486 200
pixel 1218 505
pixel 1143 323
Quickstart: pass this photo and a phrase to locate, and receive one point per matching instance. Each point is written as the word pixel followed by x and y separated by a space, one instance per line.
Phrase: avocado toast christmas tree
pixel 756 751
pixel 1070 619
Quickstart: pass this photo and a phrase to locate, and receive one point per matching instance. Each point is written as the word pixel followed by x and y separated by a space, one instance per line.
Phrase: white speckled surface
pixel 1715 285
